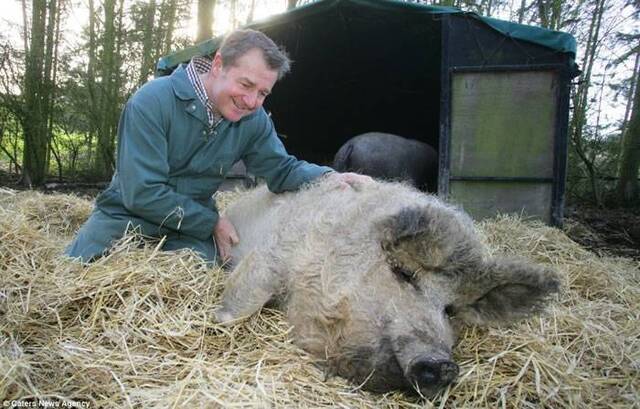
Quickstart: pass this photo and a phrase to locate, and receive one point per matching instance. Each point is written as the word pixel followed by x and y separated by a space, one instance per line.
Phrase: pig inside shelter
pixel 352 78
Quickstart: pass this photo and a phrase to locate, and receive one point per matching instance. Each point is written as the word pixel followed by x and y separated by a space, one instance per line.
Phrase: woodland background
pixel 67 67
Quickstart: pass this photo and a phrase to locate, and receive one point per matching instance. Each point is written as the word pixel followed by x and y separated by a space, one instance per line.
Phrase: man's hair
pixel 239 42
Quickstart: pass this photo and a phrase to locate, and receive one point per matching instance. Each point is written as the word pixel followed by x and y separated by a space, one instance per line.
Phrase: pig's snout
pixel 429 373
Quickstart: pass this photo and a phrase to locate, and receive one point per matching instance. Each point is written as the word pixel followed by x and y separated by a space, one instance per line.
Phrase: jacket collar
pixel 184 91
pixel 181 85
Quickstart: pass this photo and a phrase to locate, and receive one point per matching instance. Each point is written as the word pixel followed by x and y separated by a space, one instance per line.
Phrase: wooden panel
pixel 503 124
pixel 486 199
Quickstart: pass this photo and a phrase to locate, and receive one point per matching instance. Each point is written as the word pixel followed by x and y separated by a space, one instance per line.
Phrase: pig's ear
pixel 504 290
pixel 407 223
pixel 411 236
pixel 434 236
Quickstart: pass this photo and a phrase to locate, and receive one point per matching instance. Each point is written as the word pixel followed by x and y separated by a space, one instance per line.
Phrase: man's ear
pixel 504 290
pixel 216 64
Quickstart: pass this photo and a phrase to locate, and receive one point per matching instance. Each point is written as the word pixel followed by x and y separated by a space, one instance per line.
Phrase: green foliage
pixel 94 75
pixel 603 153
pixel 72 156
pixel 71 151
pixel 11 140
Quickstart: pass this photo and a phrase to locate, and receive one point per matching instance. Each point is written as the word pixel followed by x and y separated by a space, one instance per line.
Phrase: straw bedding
pixel 135 329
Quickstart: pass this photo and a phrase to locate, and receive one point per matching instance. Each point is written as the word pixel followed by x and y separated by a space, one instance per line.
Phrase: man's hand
pixel 349 179
pixel 226 236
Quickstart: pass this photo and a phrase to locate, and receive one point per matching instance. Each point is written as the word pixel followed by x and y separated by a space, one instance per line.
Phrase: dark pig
pixel 390 157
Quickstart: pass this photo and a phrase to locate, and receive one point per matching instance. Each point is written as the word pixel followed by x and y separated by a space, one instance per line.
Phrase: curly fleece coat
pixel 370 276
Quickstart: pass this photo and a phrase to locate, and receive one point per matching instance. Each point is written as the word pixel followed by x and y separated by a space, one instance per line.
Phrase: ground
pixel 614 232
pixel 606 231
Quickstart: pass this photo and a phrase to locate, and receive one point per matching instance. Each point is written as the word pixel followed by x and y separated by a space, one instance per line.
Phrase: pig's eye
pixel 450 311
pixel 403 273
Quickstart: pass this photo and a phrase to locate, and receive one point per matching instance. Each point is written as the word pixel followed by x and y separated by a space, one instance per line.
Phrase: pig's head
pixel 429 266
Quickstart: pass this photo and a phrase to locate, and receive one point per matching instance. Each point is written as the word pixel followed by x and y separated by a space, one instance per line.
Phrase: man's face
pixel 240 89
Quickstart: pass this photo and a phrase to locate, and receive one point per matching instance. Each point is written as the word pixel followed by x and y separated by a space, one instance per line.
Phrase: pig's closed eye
pixel 450 311
pixel 403 273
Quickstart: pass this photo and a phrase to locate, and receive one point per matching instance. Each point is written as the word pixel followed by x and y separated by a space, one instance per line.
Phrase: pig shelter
pixel 491 96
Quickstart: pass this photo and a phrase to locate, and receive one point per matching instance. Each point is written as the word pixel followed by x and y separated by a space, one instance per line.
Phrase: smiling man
pixel 178 137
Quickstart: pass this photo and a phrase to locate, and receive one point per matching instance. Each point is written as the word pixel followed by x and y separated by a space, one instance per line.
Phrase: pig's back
pixel 315 214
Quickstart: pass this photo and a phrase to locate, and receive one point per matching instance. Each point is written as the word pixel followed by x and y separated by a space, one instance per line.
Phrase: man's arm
pixel 266 157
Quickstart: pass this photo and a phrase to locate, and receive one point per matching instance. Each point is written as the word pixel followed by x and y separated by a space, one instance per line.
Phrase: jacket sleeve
pixel 266 157
pixel 143 172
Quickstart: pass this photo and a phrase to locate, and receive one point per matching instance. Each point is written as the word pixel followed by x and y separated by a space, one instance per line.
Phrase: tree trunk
pixel 54 79
pixel 148 49
pixel 103 165
pixel 171 21
pixel 93 111
pixel 55 151
pixel 630 94
pixel 523 6
pixel 580 101
pixel 234 16
pixel 35 119
pixel 550 12
pixel 627 189
pixel 543 12
pixel 556 14
pixel 161 26
pixel 91 64
pixel 489 7
pixel 205 19
pixel 291 4
pixel 252 9
pixel 116 91
pixel 50 67
pixel 25 27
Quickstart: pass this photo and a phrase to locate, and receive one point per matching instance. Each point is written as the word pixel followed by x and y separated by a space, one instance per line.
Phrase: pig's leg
pixel 250 285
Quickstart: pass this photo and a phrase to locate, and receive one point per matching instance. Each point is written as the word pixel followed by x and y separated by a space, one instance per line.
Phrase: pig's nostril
pixel 429 372
pixel 448 372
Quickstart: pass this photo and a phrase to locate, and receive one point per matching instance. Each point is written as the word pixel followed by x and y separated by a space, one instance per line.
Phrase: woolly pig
pixel 369 278
pixel 390 157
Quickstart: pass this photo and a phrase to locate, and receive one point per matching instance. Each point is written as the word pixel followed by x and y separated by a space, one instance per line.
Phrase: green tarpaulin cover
pixel 555 40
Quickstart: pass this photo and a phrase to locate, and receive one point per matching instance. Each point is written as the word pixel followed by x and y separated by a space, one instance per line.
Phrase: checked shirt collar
pixel 197 66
